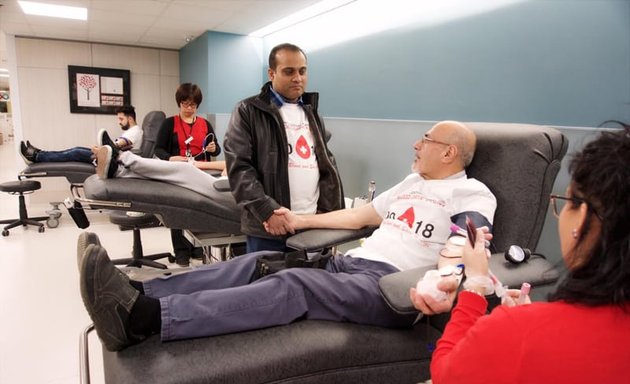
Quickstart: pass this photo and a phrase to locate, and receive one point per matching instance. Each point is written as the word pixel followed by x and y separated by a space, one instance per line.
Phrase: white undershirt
pixel 303 168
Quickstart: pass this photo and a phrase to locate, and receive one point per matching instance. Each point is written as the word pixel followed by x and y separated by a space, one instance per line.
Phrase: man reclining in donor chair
pixel 130 140
pixel 414 219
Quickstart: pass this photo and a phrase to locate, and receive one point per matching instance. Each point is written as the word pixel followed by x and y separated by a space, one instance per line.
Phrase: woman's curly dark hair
pixel 600 174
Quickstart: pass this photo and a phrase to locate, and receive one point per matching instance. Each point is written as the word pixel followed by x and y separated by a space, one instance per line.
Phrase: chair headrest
pixel 519 164
pixel 150 127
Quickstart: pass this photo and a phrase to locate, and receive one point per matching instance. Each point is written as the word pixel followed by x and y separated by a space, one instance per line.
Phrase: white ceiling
pixel 151 23
pixel 148 23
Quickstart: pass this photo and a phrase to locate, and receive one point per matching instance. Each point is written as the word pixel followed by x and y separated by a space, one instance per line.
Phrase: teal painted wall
pixel 193 67
pixel 225 66
pixel 560 62
pixel 563 62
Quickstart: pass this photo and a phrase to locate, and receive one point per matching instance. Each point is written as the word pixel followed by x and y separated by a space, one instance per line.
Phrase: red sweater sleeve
pixel 473 344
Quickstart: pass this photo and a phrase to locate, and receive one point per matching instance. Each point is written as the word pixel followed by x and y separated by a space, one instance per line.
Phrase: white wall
pixel 42 71
pixel 43 96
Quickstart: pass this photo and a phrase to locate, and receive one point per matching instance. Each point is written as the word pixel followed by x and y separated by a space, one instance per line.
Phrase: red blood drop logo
pixel 408 217
pixel 302 148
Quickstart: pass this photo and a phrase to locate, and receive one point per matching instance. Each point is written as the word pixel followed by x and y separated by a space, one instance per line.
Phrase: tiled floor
pixel 41 312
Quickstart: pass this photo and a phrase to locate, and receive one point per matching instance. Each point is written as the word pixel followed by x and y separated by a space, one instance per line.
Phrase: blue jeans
pixel 221 298
pixel 80 154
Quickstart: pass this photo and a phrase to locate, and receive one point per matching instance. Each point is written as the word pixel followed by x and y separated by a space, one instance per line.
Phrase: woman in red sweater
pixel 582 335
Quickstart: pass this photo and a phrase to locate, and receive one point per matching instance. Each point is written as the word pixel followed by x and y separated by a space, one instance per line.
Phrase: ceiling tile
pixel 152 23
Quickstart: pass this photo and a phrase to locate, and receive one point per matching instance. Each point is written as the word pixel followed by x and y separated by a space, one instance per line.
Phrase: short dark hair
pixel 285 46
pixel 600 175
pixel 188 91
pixel 127 110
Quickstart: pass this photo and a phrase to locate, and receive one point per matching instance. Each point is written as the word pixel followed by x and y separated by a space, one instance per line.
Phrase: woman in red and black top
pixel 182 137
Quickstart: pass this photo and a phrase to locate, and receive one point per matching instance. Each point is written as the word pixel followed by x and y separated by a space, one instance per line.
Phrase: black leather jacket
pixel 256 153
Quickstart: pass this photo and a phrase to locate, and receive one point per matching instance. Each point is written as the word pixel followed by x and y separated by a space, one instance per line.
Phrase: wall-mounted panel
pixel 51 53
pixel 138 60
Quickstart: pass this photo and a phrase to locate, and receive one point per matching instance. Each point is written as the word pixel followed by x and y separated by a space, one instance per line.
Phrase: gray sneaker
pixel 108 298
pixel 85 239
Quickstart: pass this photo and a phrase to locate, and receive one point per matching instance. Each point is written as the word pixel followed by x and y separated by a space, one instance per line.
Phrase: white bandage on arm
pixel 485 282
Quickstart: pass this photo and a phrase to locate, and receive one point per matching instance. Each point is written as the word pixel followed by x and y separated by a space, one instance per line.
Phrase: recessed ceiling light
pixel 298 17
pixel 63 11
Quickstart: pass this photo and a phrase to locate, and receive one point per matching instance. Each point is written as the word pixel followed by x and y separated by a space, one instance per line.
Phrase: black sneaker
pixel 103 139
pixel 29 154
pixel 182 258
pixel 106 162
pixel 29 145
pixel 197 253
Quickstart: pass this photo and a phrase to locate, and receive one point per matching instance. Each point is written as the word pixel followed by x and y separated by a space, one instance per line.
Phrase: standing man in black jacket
pixel 276 153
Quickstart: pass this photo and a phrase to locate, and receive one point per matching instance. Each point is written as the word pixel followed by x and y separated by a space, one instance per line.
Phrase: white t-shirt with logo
pixel 303 167
pixel 417 218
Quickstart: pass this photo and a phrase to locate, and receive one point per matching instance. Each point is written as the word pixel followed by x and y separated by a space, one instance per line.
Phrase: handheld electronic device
pixel 471 231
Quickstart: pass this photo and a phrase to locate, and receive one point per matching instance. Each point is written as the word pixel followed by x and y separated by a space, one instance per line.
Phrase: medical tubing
pixel 205 143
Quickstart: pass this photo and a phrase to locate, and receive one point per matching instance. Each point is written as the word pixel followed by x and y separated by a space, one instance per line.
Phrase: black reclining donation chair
pixel 519 163
pixel 135 221
pixel 76 172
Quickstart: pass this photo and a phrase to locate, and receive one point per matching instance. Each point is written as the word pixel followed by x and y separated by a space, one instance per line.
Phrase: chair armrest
pixel 316 239
pixel 537 271
pixel 395 288
pixel 222 185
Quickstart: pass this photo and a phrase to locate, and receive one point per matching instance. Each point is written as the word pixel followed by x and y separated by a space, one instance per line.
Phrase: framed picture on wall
pixel 98 90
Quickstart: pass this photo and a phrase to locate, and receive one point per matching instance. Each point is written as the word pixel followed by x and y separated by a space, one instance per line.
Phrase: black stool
pixel 21 188
pixel 135 221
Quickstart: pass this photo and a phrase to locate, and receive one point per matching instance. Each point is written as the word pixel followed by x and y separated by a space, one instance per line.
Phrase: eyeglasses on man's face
pixel 426 139
pixel 186 104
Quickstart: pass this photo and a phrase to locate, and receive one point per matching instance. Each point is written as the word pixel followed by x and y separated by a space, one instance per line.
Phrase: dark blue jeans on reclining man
pixel 79 154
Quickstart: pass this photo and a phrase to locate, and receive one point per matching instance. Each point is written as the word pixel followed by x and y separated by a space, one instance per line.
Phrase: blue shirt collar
pixel 279 100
